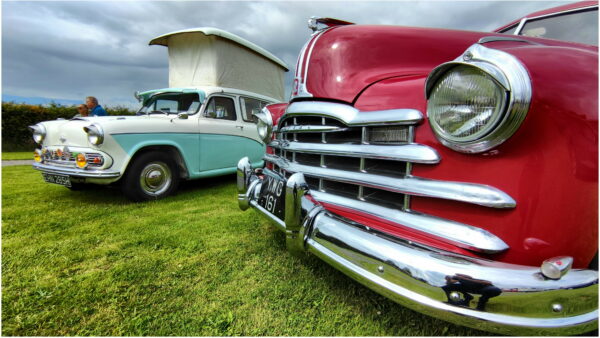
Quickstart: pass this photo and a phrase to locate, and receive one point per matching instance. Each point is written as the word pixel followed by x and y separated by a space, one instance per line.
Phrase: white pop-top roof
pixel 163 41
pixel 209 56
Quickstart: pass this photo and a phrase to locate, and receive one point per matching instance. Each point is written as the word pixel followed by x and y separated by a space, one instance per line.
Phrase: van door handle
pixel 241 127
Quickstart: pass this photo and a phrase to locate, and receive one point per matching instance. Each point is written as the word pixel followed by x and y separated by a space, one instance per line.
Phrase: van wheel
pixel 151 176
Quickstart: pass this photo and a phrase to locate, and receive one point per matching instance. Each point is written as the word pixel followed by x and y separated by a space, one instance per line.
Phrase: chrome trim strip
pixel 410 152
pixel 459 234
pixel 520 26
pixel 76 172
pixel 488 39
pixel 299 78
pixel 302 88
pixel 311 129
pixel 352 116
pixel 416 278
pixel 479 194
pixel 569 11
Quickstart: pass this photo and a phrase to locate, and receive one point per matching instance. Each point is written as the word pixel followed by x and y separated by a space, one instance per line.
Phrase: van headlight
pixel 479 100
pixel 264 125
pixel 95 134
pixel 39 133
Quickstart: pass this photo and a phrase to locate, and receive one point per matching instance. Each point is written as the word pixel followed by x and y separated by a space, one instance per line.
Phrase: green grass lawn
pixel 24 155
pixel 92 263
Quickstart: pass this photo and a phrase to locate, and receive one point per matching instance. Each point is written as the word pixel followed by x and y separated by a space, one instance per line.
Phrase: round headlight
pixel 39 133
pixel 465 104
pixel 264 125
pixel 95 134
pixel 479 100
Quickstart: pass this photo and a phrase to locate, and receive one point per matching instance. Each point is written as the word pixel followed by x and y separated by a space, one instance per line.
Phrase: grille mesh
pixel 350 136
pixel 66 158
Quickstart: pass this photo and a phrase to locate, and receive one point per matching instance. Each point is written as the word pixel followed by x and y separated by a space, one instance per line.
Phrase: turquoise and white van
pixel 209 117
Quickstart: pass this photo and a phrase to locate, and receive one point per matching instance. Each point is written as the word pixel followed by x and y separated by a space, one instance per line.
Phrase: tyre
pixel 151 176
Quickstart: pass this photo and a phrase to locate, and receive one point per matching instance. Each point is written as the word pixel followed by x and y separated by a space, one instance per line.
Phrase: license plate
pixel 57 179
pixel 272 196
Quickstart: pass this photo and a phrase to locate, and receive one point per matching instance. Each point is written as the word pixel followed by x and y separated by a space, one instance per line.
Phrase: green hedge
pixel 16 117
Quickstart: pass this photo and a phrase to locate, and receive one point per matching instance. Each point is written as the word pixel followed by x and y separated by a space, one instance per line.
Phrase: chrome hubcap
pixel 155 178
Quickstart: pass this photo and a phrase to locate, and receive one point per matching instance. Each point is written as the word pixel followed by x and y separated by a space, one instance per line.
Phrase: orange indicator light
pixel 80 160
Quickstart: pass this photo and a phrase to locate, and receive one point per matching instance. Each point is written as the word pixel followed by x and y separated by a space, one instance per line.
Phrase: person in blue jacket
pixel 95 109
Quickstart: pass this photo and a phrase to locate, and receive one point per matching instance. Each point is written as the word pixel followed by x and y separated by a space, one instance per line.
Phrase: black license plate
pixel 272 196
pixel 57 179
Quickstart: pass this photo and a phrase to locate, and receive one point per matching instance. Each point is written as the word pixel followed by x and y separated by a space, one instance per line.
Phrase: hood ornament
pixel 317 24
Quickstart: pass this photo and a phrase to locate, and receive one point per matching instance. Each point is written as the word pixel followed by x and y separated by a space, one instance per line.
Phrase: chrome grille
pixel 363 161
pixel 65 158
pixel 298 130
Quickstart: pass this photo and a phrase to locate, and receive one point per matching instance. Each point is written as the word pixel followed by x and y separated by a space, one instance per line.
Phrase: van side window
pixel 250 106
pixel 222 108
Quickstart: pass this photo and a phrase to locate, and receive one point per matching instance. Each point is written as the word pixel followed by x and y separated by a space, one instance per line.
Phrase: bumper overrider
pixel 483 294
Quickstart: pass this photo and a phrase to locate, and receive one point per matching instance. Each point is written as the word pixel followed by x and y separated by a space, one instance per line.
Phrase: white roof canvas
pixel 212 57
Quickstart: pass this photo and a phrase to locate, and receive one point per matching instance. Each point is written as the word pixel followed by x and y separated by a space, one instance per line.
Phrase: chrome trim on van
pixel 50 169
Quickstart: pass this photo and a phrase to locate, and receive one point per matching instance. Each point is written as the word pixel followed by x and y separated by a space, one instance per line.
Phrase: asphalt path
pixel 16 162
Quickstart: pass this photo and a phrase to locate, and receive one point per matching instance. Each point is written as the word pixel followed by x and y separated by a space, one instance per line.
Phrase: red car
pixel 454 172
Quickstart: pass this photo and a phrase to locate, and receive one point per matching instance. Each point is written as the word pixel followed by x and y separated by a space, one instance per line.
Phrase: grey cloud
pixel 74 49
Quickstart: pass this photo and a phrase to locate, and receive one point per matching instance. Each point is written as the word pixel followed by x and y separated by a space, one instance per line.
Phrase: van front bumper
pixel 483 294
pixel 74 172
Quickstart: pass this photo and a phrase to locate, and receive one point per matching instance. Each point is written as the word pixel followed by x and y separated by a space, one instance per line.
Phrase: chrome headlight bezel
pixel 95 134
pixel 510 74
pixel 39 133
pixel 264 125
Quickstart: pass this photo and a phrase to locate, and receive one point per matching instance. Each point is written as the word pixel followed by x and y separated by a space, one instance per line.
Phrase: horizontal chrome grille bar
pixel 464 192
pixel 461 235
pixel 353 117
pixel 410 152
pixel 311 129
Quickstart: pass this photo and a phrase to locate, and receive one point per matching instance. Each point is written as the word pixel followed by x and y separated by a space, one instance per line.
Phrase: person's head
pixel 91 102
pixel 83 110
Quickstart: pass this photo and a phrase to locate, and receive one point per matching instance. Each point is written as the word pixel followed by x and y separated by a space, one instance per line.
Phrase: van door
pixel 224 137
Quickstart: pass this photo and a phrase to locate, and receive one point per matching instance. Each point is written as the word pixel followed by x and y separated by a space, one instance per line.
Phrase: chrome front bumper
pixel 73 172
pixel 493 296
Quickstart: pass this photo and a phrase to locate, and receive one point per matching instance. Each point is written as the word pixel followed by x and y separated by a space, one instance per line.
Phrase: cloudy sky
pixel 67 50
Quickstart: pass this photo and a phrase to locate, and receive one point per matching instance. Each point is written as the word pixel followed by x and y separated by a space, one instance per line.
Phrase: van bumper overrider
pixel 483 294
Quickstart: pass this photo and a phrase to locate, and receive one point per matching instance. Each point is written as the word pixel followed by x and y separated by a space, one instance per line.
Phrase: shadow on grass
pixel 186 187
pixel 112 195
